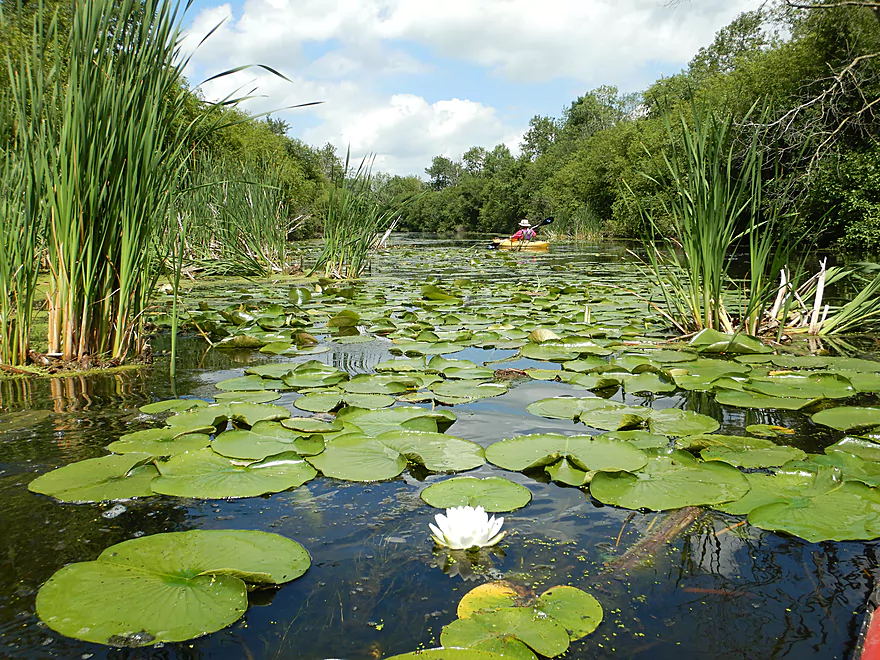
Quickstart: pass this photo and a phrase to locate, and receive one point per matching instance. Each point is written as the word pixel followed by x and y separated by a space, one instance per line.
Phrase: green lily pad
pixel 355 457
pixel 577 611
pixel 375 422
pixel 171 405
pixel 468 389
pixel 310 425
pixel 649 382
pixel 848 513
pixel 159 442
pixel 265 439
pixel 712 341
pixel 207 475
pixel 99 479
pixel 166 587
pixel 585 452
pixel 264 396
pixel 618 417
pixel 786 484
pixel 640 439
pixel 670 480
pixel 567 407
pixel 548 352
pixel 803 386
pixel 242 383
pixel 762 401
pixel 861 447
pixel 675 422
pixel 848 418
pixel 751 452
pixel 494 494
pixel 539 632
pixel 436 451
pixel 852 467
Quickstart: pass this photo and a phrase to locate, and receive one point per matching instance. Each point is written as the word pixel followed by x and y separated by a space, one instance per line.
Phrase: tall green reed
pixel 103 153
pixel 715 207
pixel 238 219
pixel 353 220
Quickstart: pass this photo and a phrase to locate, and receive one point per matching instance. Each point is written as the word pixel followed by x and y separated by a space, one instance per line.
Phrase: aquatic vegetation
pixel 465 527
pixel 353 219
pixel 166 587
pixel 493 494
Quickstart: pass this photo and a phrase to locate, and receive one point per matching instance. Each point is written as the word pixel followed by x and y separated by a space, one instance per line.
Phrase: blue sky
pixel 407 80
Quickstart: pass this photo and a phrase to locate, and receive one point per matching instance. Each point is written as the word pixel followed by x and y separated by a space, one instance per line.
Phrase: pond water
pixel 377 586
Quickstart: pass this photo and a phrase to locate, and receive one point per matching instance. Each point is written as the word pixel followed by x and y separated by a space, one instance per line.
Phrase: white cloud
pixel 360 55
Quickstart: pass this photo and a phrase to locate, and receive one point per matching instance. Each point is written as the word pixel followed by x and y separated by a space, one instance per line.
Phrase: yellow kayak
pixel 531 246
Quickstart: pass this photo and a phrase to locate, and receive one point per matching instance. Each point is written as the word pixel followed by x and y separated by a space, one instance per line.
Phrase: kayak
pixel 531 246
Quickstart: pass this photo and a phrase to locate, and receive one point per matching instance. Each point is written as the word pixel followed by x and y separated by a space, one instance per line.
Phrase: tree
pixel 540 136
pixel 443 172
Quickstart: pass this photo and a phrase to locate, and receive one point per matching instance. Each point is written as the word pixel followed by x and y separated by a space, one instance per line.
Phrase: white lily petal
pixel 466 527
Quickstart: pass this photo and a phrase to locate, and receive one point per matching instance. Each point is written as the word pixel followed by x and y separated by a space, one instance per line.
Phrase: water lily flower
pixel 465 527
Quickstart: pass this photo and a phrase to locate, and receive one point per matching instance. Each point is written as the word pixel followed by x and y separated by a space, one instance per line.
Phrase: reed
pixel 238 219
pixel 354 219
pixel 717 206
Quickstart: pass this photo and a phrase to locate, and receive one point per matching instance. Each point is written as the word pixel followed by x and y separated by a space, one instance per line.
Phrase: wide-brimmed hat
pixel 524 223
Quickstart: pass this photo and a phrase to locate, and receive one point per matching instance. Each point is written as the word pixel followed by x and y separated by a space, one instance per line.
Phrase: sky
pixel 406 80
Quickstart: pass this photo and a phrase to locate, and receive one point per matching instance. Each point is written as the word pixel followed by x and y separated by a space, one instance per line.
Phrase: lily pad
pixel 675 422
pixel 751 452
pixel 436 451
pixel 99 479
pixel 207 475
pixel 762 401
pixel 848 513
pixel 670 480
pixel 166 587
pixel 161 442
pixel 567 407
pixel 171 405
pixel 375 422
pixel 265 439
pixel 849 418
pixel 577 611
pixel 584 451
pixel 535 629
pixel 712 341
pixel 356 457
pixel 494 494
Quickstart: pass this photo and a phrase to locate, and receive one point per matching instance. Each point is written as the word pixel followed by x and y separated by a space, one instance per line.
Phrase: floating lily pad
pixel 488 596
pixel 242 383
pixel 675 422
pixel 99 479
pixel 171 405
pixel 577 611
pixel 649 382
pixel 861 447
pixel 849 418
pixel 848 513
pixel 712 341
pixel 567 407
pixel 207 475
pixel 584 451
pixel 356 457
pixel 787 483
pixel 640 439
pixel 453 654
pixel 165 441
pixel 166 587
pixel 374 422
pixel 264 396
pixel 750 452
pixel 494 494
pixel 535 629
pixel 468 390
pixel 436 451
pixel 265 439
pixel 670 480
pixel 762 401
pixel 310 425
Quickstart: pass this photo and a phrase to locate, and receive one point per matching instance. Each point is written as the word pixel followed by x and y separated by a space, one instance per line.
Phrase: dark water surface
pixel 376 586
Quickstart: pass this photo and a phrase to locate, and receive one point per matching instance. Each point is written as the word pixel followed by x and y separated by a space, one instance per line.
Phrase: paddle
pixel 545 221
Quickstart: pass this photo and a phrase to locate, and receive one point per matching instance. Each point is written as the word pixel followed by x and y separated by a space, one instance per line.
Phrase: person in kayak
pixel 525 233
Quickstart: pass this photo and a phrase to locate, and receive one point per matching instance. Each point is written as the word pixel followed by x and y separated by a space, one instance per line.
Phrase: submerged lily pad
pixel 670 480
pixel 99 479
pixel 494 494
pixel 166 587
